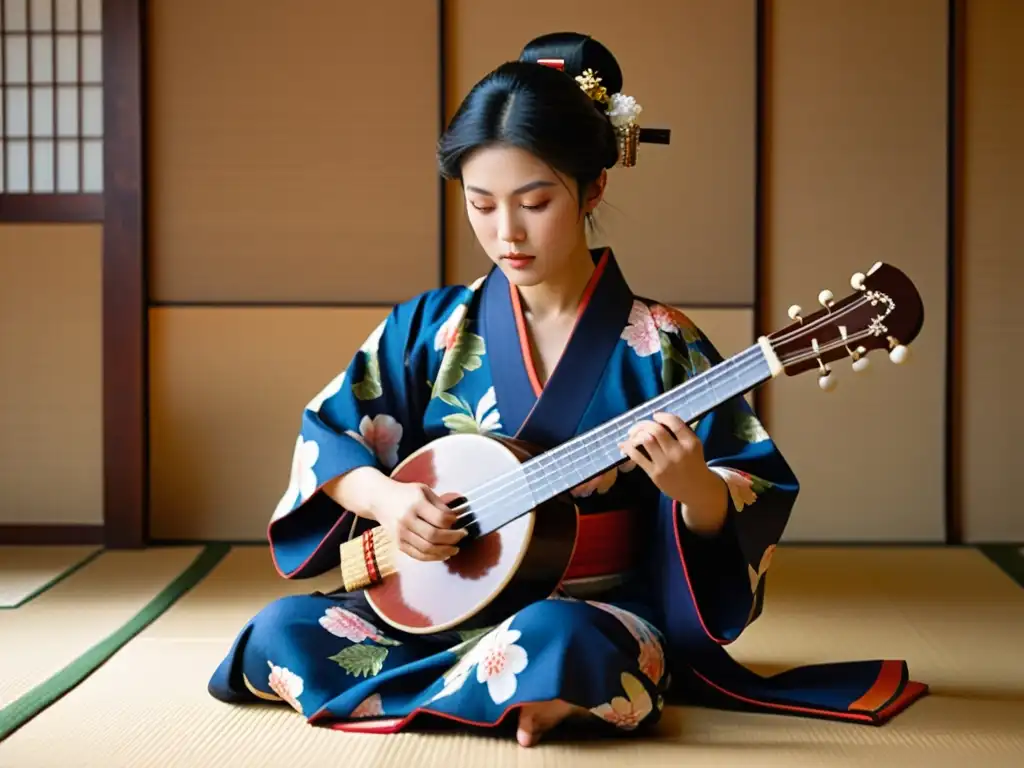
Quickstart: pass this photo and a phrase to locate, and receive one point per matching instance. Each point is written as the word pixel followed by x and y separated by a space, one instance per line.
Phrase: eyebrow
pixel 521 191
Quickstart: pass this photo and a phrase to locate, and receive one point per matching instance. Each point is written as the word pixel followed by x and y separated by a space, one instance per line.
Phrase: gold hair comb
pixel 591 85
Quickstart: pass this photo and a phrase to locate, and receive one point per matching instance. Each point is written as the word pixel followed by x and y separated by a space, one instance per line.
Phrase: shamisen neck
pixel 593 452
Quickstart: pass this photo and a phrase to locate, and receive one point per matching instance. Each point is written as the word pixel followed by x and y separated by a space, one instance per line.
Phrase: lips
pixel 517 260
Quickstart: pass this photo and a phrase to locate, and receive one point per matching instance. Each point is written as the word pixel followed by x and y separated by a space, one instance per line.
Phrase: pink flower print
pixel 651 660
pixel 372 706
pixel 448 333
pixel 382 434
pixel 286 684
pixel 641 333
pixel 499 661
pixel 672 320
pixel 667 319
pixel 345 624
pixel 741 486
pixel 627 713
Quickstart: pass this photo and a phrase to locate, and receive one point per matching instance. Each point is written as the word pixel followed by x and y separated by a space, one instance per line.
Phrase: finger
pixel 642 435
pixel 679 428
pixel 423 547
pixel 664 437
pixel 437 501
pixel 411 551
pixel 587 488
pixel 439 517
pixel 404 545
pixel 439 514
pixel 440 523
pixel 431 534
pixel 637 456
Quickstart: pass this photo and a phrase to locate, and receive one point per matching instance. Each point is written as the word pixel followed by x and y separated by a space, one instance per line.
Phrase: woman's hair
pixel 541 109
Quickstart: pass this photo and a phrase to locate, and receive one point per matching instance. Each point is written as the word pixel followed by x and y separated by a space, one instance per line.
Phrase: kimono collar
pixel 550 415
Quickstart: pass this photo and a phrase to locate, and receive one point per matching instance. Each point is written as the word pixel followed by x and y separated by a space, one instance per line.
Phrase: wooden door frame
pixel 125 294
pixel 121 209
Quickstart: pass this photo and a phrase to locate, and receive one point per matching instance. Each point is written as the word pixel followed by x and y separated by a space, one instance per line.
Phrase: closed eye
pixel 488 209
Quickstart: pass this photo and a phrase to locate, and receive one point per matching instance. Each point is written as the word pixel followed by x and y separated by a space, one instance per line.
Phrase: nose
pixel 510 229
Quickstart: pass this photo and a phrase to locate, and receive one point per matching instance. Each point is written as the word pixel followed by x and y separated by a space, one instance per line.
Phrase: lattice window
pixel 51 97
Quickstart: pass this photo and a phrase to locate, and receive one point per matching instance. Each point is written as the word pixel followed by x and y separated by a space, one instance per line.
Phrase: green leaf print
pixel 470 639
pixel 461 422
pixel 669 355
pixel 689 333
pixel 749 429
pixel 760 485
pixel 451 400
pixel 470 634
pixel 369 388
pixel 361 660
pixel 698 361
pixel 465 354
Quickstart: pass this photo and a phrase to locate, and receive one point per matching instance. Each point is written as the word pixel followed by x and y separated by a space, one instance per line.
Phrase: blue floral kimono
pixel 647 620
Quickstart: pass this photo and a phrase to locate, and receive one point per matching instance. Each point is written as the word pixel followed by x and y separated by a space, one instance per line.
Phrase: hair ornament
pixel 622 112
pixel 590 83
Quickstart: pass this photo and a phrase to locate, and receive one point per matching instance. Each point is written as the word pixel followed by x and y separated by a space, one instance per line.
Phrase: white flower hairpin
pixel 622 111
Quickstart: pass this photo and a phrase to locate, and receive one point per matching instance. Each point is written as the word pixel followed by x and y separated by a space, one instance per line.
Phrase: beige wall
pixel 292 150
pixel 265 190
pixel 992 274
pixel 227 391
pixel 50 368
pixel 856 152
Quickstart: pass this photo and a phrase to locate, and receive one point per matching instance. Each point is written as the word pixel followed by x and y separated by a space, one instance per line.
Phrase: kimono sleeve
pixel 369 415
pixel 727 571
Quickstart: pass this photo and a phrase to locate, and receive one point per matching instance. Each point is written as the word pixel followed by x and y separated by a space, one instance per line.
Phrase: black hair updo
pixel 541 109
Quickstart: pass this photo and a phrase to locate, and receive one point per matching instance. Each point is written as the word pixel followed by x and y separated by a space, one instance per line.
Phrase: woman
pixel 674 543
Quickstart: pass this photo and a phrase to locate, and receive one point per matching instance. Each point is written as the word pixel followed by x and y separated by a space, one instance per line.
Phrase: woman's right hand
pixel 419 523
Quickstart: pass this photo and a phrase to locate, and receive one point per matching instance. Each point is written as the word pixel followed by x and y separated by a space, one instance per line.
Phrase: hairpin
pixel 622 111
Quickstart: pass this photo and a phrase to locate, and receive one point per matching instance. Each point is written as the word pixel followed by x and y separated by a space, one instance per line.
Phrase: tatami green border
pixel 1009 558
pixel 20 711
pixel 55 580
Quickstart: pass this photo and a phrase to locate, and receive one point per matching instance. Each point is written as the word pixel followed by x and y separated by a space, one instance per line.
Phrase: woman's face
pixel 525 215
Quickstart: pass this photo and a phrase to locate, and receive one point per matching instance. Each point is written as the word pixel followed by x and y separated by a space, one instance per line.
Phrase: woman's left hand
pixel 675 463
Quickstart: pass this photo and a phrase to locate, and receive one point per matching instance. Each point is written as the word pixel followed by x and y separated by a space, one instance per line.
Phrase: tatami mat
pixel 26 572
pixel 951 613
pixel 44 635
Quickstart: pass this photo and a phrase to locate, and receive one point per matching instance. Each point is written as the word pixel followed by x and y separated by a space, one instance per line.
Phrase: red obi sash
pixel 604 544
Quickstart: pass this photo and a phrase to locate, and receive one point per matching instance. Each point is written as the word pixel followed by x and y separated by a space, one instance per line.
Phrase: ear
pixel 595 192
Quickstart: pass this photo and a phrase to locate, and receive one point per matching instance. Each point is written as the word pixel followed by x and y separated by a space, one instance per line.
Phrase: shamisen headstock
pixel 884 312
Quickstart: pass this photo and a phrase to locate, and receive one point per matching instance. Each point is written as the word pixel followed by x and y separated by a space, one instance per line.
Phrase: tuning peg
pixel 825 298
pixel 827 381
pixel 857 281
pixel 860 364
pixel 899 354
pixel 794 312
